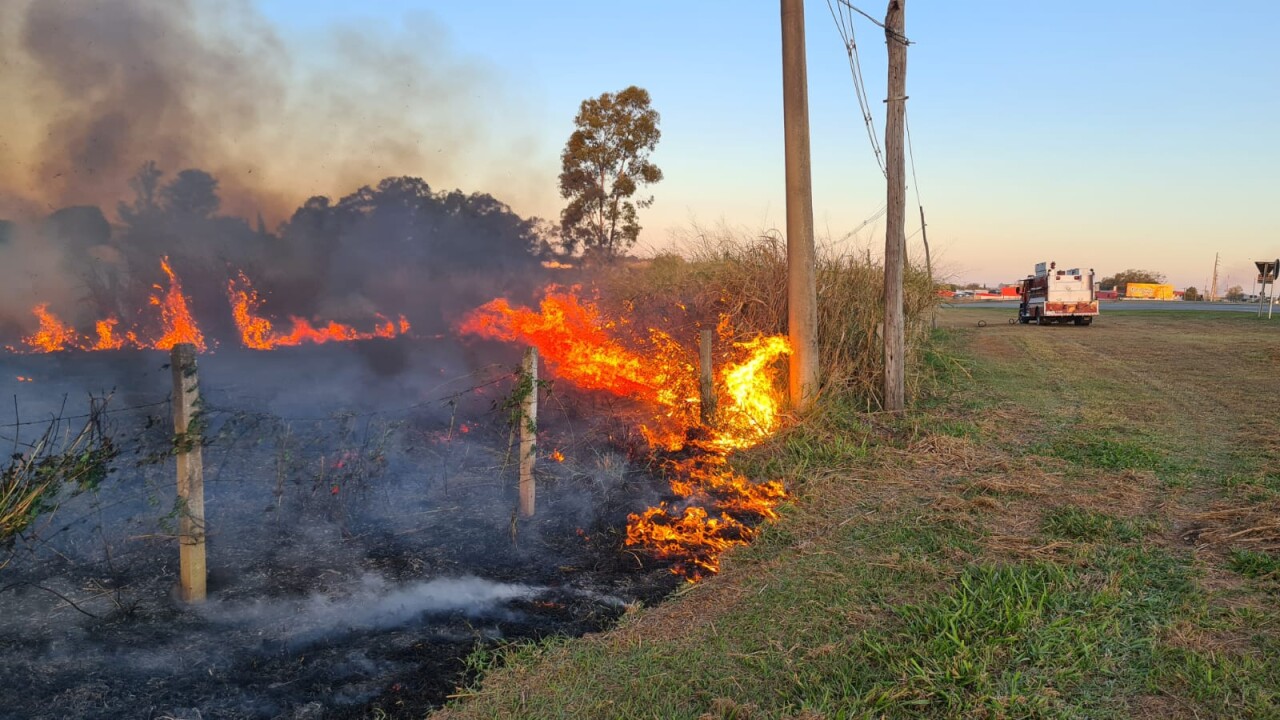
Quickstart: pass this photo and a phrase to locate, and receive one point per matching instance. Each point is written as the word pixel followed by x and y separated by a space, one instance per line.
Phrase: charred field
pixel 362 539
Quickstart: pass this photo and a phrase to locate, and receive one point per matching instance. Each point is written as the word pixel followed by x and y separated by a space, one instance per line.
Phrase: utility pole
pixel 928 266
pixel 802 294
pixel 895 241
pixel 1213 289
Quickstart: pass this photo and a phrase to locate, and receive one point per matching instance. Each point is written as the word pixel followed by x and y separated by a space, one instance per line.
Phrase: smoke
pixel 372 605
pixel 92 90
pixel 40 275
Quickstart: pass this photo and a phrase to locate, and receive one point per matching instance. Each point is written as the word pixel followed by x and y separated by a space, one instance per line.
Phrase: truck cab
pixel 1058 296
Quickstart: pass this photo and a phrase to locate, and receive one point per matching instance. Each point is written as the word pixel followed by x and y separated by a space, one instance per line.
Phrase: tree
pixel 1235 293
pixel 603 165
pixel 1121 279
pixel 192 194
pixel 1191 294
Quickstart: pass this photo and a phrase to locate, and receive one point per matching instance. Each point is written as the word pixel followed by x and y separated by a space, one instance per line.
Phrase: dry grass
pixel 721 272
pixel 1255 526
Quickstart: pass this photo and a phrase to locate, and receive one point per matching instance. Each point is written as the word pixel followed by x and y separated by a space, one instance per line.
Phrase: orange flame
pixel 572 337
pixel 53 335
pixel 177 324
pixel 258 333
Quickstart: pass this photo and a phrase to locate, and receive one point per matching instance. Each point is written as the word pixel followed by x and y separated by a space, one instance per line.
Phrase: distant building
pixel 1149 291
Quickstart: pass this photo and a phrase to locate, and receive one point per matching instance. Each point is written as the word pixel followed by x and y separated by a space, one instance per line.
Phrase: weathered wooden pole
pixel 528 431
pixel 191 529
pixel 706 379
pixel 928 268
pixel 802 296
pixel 895 237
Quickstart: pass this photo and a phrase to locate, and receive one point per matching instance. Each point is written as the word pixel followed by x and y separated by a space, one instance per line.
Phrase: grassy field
pixel 1075 523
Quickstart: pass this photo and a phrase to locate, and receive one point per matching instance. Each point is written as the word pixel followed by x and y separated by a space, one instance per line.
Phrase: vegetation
pixel 1054 531
pixel 1235 293
pixel 1191 294
pixel 603 165
pixel 720 272
pixel 60 459
pixel 1121 280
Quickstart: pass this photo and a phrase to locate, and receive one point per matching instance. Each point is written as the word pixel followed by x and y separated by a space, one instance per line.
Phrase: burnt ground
pixel 362 537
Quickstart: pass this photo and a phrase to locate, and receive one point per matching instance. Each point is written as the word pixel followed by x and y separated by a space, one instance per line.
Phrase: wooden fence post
pixel 191 531
pixel 528 432
pixel 706 380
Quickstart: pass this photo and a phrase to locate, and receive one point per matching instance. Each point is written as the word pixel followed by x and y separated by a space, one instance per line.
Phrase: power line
pixel 845 28
pixel 915 182
pixel 876 22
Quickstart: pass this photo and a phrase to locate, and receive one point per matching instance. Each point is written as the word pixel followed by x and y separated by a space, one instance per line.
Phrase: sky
pixel 1107 135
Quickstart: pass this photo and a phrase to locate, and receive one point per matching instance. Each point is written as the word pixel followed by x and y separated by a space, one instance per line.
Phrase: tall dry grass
pixel 744 276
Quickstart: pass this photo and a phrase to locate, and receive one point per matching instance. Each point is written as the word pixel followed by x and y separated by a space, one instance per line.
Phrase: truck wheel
pixel 1079 321
pixel 1086 321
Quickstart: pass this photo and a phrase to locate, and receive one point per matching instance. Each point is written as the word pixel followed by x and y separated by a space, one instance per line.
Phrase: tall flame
pixel 52 335
pixel 177 324
pixel 572 336
pixel 258 333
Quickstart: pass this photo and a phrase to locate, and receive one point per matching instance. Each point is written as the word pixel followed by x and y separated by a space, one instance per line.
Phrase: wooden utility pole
pixel 895 235
pixel 928 268
pixel 1213 289
pixel 528 431
pixel 706 379
pixel 802 296
pixel 186 401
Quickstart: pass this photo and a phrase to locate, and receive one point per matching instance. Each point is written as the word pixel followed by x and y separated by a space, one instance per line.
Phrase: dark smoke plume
pixel 93 89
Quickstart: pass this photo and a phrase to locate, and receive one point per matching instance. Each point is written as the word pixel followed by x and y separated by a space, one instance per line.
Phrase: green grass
pixel 1077 523
pixel 1255 564
pixel 896 586
pixel 1095 451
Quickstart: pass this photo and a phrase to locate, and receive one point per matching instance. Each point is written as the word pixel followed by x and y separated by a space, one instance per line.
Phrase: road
pixel 1128 305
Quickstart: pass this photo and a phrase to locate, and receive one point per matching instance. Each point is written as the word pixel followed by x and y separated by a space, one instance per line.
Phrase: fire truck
pixel 1058 296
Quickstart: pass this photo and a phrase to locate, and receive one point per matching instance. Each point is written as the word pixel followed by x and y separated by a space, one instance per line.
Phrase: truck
pixel 1058 296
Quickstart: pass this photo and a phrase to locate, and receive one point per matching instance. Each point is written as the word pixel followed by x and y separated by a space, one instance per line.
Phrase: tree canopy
pixel 604 163
pixel 1121 279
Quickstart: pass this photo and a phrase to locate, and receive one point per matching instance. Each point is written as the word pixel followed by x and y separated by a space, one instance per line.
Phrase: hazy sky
pixel 1112 135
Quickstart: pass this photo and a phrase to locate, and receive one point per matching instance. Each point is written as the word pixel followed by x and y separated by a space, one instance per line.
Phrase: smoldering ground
pixel 355 558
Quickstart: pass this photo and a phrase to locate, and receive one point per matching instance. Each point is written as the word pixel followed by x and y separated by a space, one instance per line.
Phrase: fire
pixel 53 335
pixel 177 324
pixel 573 338
pixel 557 456
pixel 258 333
pixel 752 413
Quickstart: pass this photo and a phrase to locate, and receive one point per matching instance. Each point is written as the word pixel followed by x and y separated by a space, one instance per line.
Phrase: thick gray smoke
pixel 134 130
pixel 93 89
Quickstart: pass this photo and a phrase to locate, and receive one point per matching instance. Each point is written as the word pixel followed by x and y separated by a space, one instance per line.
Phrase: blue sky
pixel 1112 135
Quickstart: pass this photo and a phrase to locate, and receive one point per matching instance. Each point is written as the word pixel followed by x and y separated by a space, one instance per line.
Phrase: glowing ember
pixel 573 338
pixel 557 456
pixel 258 333
pixel 177 324
pixel 23 378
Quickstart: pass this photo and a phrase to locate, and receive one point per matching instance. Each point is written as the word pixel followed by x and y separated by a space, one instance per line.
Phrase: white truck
pixel 1058 296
